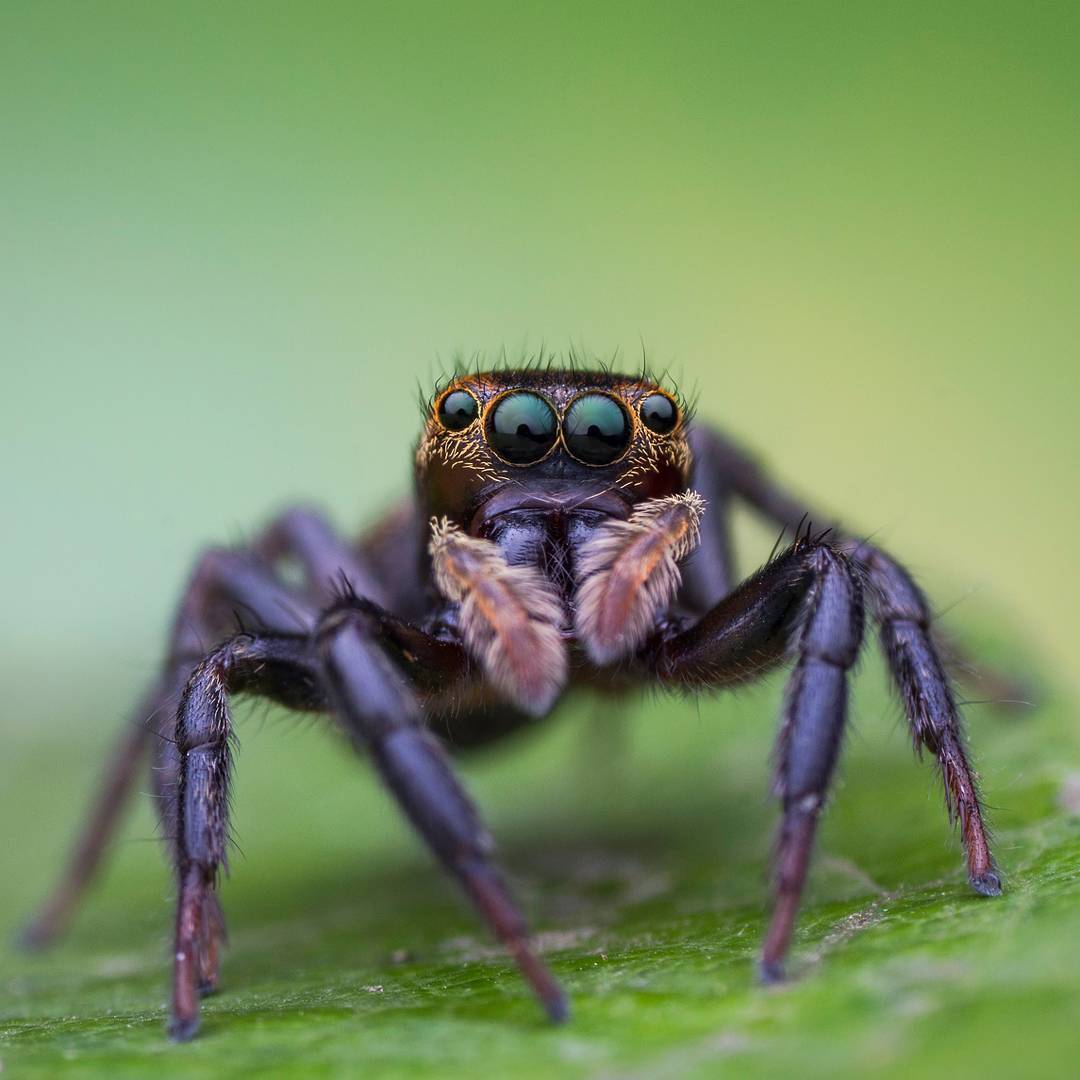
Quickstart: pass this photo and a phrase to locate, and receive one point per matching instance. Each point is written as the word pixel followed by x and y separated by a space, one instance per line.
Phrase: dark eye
pixel 659 414
pixel 596 429
pixel 458 410
pixel 522 428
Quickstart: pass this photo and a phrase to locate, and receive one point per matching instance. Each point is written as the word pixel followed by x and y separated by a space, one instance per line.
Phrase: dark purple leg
pixel 807 601
pixel 727 469
pixel 381 714
pixel 366 660
pixel 278 667
pixel 911 646
pixel 904 620
pixel 223 583
pixel 708 575
pixel 327 561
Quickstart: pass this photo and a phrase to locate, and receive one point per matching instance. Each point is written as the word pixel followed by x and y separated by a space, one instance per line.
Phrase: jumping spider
pixel 545 547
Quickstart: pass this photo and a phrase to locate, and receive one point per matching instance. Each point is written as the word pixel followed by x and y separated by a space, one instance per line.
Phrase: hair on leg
pixel 914 656
pixel 737 471
pixel 277 667
pixel 904 626
pixel 221 584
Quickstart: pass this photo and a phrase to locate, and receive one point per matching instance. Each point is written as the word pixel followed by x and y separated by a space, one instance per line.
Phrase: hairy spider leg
pixel 807 601
pixel 908 639
pixel 275 666
pixel 374 703
pixel 722 471
pixel 221 584
pixel 903 618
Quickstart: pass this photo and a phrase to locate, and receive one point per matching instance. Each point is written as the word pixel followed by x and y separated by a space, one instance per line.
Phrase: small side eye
pixel 596 429
pixel 522 428
pixel 659 414
pixel 458 410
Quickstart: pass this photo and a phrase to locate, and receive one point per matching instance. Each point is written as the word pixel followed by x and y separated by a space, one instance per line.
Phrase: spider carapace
pixel 567 527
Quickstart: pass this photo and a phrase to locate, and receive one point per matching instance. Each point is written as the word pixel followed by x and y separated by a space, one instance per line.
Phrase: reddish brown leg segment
pixel 796 845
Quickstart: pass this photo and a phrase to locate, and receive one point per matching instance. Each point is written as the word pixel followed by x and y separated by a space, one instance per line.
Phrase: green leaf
pixel 638 841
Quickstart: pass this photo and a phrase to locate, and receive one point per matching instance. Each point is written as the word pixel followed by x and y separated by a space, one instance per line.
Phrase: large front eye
pixel 522 427
pixel 596 429
pixel 458 410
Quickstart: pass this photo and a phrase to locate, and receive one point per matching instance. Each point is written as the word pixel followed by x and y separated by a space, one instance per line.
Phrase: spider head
pixel 545 439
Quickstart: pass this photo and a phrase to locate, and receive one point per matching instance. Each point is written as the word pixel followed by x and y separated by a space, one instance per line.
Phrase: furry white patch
pixel 510 616
pixel 629 573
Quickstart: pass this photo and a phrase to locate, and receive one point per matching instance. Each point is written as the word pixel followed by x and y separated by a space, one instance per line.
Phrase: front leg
pixel 808 601
pixel 278 667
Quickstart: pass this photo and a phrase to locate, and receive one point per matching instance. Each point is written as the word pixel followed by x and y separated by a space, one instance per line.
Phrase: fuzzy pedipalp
pixel 510 616
pixel 629 573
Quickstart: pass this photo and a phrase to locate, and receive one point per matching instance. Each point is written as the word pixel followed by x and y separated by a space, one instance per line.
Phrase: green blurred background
pixel 234 237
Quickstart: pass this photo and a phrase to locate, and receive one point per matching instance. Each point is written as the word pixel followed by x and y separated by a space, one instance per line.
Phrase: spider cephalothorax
pixel 560 514
pixel 543 429
pixel 567 528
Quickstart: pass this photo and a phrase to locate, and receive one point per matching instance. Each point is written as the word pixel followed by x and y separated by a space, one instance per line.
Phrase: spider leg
pixel 722 469
pixel 286 669
pixel 110 799
pixel 222 583
pixel 910 646
pixel 708 574
pixel 276 666
pixel 903 618
pixel 807 601
pixel 381 714
pixel 324 557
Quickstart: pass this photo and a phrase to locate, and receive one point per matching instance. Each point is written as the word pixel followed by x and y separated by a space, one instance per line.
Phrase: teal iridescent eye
pixel 522 428
pixel 659 414
pixel 596 429
pixel 458 410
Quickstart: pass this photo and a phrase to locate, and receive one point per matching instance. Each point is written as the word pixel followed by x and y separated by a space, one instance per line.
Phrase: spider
pixel 568 527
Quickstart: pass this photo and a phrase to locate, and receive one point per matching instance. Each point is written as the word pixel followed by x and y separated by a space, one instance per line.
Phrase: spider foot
pixel 34 936
pixel 183 1029
pixel 987 883
pixel 550 994
pixel 771 973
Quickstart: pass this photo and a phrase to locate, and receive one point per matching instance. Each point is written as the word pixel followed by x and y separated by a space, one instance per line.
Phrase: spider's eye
pixel 596 429
pixel 458 410
pixel 522 428
pixel 659 414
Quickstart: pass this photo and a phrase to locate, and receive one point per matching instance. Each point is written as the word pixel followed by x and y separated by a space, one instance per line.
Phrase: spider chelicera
pixel 568 528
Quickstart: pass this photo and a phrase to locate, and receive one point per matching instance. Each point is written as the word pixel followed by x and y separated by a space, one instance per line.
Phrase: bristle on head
pixel 628 574
pixel 510 616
